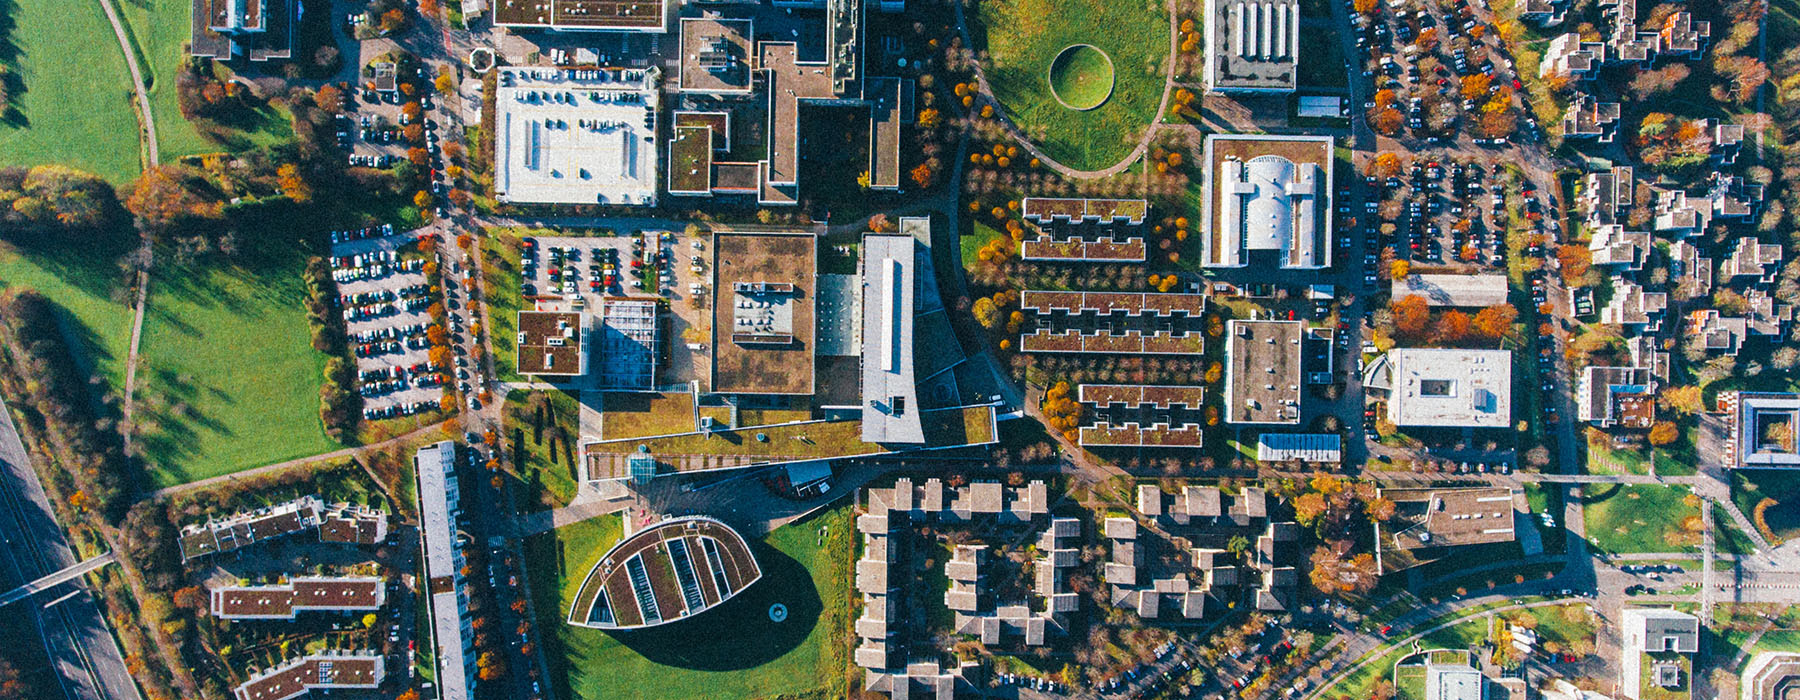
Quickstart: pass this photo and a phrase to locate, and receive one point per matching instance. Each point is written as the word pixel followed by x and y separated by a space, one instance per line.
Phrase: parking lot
pixel 578 272
pixel 1444 212
pixel 384 299
pixel 375 131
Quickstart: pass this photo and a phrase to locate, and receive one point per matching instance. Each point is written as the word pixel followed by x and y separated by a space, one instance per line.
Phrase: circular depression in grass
pixel 1081 77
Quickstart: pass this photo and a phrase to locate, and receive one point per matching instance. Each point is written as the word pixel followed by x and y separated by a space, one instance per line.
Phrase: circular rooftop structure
pixel 670 571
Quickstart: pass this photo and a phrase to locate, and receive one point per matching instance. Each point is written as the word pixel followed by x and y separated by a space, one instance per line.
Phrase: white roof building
pixel 576 136
pixel 1454 682
pixel 1252 46
pixel 451 625
pixel 1450 388
pixel 890 401
pixel 1268 193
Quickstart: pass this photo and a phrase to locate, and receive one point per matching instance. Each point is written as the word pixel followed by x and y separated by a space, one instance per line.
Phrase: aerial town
pixel 897 349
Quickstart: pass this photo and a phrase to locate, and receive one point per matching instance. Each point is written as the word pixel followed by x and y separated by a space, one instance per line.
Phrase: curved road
pixel 1013 130
pixel 148 132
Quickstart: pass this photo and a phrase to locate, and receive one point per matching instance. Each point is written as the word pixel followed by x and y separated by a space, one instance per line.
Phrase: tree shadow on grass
pixel 739 635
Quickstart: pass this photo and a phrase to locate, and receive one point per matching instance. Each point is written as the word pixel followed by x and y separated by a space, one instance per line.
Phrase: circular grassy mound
pixel 1081 77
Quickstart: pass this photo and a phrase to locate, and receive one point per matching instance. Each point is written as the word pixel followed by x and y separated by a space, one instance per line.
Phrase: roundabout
pixel 1081 77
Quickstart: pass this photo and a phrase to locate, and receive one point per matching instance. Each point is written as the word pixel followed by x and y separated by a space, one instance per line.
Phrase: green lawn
pixel 82 282
pixel 1024 37
pixel 1409 682
pixel 733 651
pixel 1604 459
pixel 1751 486
pixel 500 282
pixel 71 90
pixel 1636 518
pixel 973 243
pixel 232 380
pixel 646 415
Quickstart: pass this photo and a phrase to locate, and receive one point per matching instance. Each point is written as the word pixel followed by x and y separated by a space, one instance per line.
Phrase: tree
pixel 1495 321
pixel 165 194
pixel 1336 572
pixel 1663 433
pixel 1683 400
pixel 418 156
pixel 929 118
pixel 1387 121
pixel 1411 314
pixel 329 98
pixel 1575 260
pixel 292 184
pixel 986 313
pixel 422 199
pixel 1399 269
pixel 923 176
pixel 439 356
pixel 445 82
pixel 1385 165
pixel 1452 326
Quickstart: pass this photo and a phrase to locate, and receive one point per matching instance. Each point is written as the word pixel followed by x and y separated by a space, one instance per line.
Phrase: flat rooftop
pixel 1135 415
pixel 629 333
pixel 1467 291
pixel 576 136
pixel 1085 229
pixel 1763 430
pixel 578 15
pixel 1451 517
pixel 1450 388
pixel 308 593
pixel 768 280
pixel 1113 322
pixel 362 670
pixel 1268 193
pixel 1262 372
pixel 887 97
pixel 550 343
pixel 890 394
pixel 716 55
pixel 1252 46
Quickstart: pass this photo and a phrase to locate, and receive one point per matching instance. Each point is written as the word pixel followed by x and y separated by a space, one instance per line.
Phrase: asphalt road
pixel 74 633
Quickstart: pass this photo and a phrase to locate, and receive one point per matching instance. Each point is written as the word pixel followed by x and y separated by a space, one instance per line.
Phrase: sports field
pixel 733 651
pixel 71 88
pixel 232 381
pixel 1024 37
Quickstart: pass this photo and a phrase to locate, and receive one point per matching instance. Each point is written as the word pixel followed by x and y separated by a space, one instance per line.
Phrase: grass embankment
pixel 733 651
pixel 1024 37
pixel 543 429
pixel 82 280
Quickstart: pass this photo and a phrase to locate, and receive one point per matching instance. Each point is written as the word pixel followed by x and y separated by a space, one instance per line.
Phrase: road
pixel 75 636
pixel 55 578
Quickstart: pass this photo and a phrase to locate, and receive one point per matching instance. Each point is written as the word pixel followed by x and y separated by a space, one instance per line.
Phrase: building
pixel 584 15
pixel 1771 675
pixel 1085 230
pixel 244 529
pixel 1751 258
pixel 1608 196
pixel 1717 332
pixel 353 524
pixel 1113 322
pixel 1252 47
pixel 669 571
pixel 1691 268
pixel 1569 55
pixel 452 630
pixel 1454 682
pixel 1544 13
pixel 1682 36
pixel 716 56
pixel 1762 428
pixel 1621 396
pixel 1141 415
pixel 1658 651
pixel 1459 291
pixel 1450 388
pixel 255 30
pixel 327 671
pixel 1613 245
pixel 550 343
pixel 1268 193
pixel 764 295
pixel 1428 524
pixel 1262 372
pixel 1634 307
pixel 1589 118
pixel 629 335
pixel 576 136
pixel 890 396
pixel 1312 448
pixel 302 594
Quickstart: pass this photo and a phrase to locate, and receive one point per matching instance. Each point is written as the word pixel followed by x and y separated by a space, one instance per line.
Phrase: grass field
pixel 1082 76
pixel 1751 486
pixel 232 380
pixel 1637 518
pixel 733 651
pixel 1603 459
pixel 1024 37
pixel 82 283
pixel 71 89
pixel 645 415
pixel 500 289
pixel 1727 538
